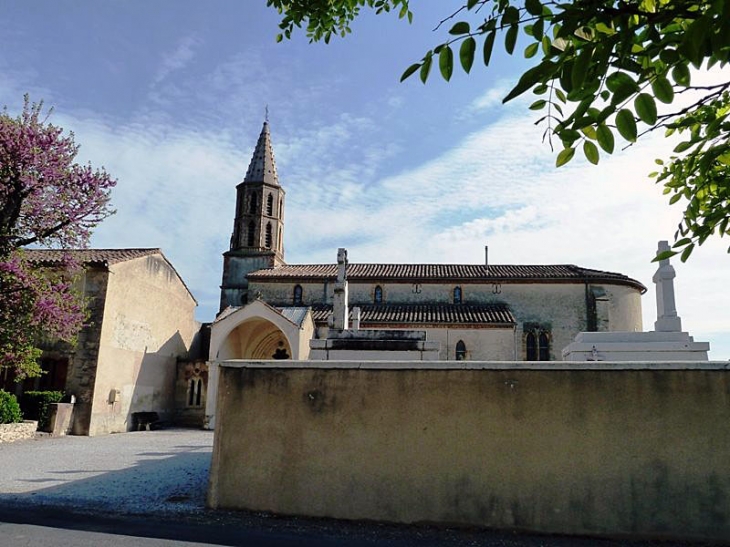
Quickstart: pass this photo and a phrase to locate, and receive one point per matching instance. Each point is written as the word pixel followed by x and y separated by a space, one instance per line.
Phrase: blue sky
pixel 169 96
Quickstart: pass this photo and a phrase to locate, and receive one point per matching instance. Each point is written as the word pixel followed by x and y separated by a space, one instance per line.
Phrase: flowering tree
pixel 45 198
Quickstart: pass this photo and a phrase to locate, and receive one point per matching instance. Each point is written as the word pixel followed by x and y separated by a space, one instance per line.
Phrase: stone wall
pixel 81 378
pixel 148 325
pixel 638 449
pixel 17 432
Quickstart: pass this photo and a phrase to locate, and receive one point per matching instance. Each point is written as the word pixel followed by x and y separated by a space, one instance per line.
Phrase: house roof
pixel 98 257
pixel 295 314
pixel 426 314
pixel 445 272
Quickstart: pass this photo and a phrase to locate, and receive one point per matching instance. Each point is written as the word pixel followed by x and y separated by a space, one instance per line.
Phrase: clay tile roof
pixel 426 314
pixel 444 272
pixel 102 257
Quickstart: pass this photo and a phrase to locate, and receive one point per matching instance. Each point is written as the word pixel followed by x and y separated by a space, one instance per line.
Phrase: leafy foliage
pixel 36 304
pixel 36 405
pixel 604 71
pixel 45 198
pixel 9 408
pixel 323 18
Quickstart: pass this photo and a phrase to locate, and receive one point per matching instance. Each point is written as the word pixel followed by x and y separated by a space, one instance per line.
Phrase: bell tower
pixel 258 228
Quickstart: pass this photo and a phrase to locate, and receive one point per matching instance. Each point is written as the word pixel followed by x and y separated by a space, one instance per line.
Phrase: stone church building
pixel 271 310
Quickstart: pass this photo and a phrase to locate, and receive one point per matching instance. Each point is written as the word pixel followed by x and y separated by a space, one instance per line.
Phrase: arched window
pixel 251 233
pixel 281 208
pixel 253 204
pixel 530 347
pixel 544 349
pixel 460 351
pixel 297 295
pixel 270 205
pixel 199 392
pixel 457 295
pixel 378 295
pixel 268 235
pixel 195 392
pixel 537 342
pixel 280 239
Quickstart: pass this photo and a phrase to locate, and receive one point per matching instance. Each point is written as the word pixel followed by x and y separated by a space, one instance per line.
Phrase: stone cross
pixel 340 319
pixel 666 310
pixel 356 313
pixel 341 265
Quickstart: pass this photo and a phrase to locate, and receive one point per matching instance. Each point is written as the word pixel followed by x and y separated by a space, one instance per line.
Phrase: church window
pixel 378 295
pixel 280 239
pixel 530 347
pixel 460 351
pixel 195 392
pixel 270 205
pixel 297 295
pixel 544 347
pixel 537 342
pixel 268 235
pixel 253 204
pixel 281 208
pixel 251 233
pixel 457 295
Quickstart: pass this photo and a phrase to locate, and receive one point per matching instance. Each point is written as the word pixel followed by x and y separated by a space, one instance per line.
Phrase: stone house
pixel 126 360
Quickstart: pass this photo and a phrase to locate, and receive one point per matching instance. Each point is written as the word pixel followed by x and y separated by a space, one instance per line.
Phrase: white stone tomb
pixel 666 343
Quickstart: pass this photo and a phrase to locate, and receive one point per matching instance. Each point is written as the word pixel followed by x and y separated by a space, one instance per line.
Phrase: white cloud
pixel 496 186
pixel 491 98
pixel 177 59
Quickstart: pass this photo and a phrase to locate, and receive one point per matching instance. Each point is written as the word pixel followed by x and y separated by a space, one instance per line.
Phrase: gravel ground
pixel 135 473
pixel 163 475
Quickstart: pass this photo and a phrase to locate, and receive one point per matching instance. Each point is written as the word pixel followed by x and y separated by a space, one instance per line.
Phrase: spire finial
pixel 266 115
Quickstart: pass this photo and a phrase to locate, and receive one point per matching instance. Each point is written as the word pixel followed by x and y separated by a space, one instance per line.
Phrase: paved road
pixel 147 489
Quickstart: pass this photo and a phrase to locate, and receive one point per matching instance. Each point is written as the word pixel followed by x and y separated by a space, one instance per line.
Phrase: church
pixel 488 312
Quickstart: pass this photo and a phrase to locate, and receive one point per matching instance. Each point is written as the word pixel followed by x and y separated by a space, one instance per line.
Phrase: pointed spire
pixel 263 167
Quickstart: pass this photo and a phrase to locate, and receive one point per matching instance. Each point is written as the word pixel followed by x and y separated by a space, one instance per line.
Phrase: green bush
pixel 35 405
pixel 9 408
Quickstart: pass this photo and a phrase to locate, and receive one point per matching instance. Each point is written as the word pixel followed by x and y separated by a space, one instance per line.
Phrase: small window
pixel 270 205
pixel 530 347
pixel 251 233
pixel 195 392
pixel 544 349
pixel 268 235
pixel 253 204
pixel 460 351
pixel 378 295
pixel 298 295
pixel 457 295
pixel 537 343
pixel 281 208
